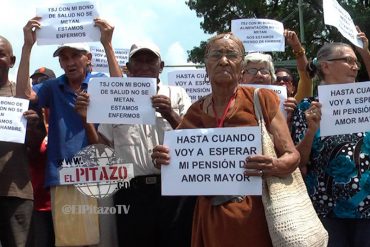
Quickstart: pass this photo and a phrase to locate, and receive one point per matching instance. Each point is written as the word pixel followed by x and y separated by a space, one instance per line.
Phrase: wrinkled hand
pixel 106 30
pixel 29 30
pixel 162 104
pixel 289 106
pixel 265 166
pixel 364 39
pixel 160 156
pixel 32 118
pixel 292 39
pixel 82 101
pixel 313 116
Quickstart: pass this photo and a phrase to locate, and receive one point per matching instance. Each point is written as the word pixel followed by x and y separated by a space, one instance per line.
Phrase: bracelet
pixel 299 53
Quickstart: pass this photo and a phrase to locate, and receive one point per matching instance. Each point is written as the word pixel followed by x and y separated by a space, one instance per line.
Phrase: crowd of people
pixel 31 196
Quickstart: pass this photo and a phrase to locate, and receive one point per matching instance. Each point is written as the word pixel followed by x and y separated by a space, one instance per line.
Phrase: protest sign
pixel 99 58
pixel 281 91
pixel 211 161
pixel 345 108
pixel 12 123
pixel 118 100
pixel 67 23
pixel 336 16
pixel 195 82
pixel 259 34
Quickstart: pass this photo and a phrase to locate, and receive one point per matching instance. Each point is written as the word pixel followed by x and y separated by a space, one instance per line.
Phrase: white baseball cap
pixel 144 46
pixel 83 47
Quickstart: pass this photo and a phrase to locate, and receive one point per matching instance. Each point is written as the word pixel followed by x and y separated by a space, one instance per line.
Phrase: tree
pixel 217 16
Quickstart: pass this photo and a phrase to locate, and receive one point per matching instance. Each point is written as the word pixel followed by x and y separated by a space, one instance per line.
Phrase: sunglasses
pixel 283 78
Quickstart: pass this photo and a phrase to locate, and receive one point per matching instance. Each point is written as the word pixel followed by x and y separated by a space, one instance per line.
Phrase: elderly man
pixel 153 220
pixel 67 133
pixel 15 186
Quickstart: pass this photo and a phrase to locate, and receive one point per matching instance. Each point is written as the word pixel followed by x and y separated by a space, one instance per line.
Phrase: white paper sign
pixel 12 123
pixel 345 108
pixel 67 23
pixel 194 82
pixel 259 34
pixel 211 161
pixel 118 100
pixel 281 91
pixel 336 16
pixel 99 58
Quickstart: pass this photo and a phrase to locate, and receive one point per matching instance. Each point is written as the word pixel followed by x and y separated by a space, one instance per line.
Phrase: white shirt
pixel 134 143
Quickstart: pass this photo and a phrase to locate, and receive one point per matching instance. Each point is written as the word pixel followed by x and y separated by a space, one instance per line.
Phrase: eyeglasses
pixel 230 55
pixel 283 78
pixel 254 71
pixel 349 60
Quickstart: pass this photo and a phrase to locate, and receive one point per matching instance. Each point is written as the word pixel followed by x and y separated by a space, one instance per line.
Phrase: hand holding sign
pixel 106 31
pixel 160 156
pixel 162 104
pixel 365 49
pixel 29 31
pixel 82 101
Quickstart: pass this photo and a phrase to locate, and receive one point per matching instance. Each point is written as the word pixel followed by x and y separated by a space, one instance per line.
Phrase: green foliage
pixel 217 16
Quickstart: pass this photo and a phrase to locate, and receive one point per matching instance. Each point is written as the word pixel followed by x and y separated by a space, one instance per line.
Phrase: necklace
pixel 220 121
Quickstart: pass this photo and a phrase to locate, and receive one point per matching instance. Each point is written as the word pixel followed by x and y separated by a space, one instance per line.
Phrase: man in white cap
pixel 67 133
pixel 153 220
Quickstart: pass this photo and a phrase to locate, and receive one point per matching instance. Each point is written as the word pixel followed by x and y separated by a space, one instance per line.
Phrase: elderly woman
pixel 337 167
pixel 235 222
pixel 258 68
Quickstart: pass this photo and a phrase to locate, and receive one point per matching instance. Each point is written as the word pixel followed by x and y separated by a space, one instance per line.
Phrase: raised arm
pixel 106 39
pixel 305 83
pixel 364 52
pixel 23 87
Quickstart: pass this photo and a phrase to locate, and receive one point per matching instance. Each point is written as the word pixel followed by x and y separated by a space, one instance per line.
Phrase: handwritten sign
pixel 345 108
pixel 67 23
pixel 194 82
pixel 259 34
pixel 336 16
pixel 211 161
pixel 12 123
pixel 118 100
pixel 99 58
pixel 281 91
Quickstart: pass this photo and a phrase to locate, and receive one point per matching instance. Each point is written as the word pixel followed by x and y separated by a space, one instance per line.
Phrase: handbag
pixel 290 215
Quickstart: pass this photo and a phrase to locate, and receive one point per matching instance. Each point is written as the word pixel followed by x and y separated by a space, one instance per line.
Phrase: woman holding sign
pixel 337 167
pixel 236 221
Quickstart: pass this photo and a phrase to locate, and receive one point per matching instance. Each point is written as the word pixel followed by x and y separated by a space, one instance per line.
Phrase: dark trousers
pixel 347 232
pixel 41 232
pixel 153 220
pixel 15 219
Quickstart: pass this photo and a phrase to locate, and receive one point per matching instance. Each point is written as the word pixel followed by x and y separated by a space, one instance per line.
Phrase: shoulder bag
pixel 291 218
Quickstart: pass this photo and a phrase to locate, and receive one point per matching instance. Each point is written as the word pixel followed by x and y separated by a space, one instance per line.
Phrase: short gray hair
pixel 256 57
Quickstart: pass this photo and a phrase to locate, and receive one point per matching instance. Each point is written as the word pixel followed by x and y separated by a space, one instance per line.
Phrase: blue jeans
pixel 347 232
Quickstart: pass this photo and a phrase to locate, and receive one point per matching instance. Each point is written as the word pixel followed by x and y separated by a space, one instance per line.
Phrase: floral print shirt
pixel 338 173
